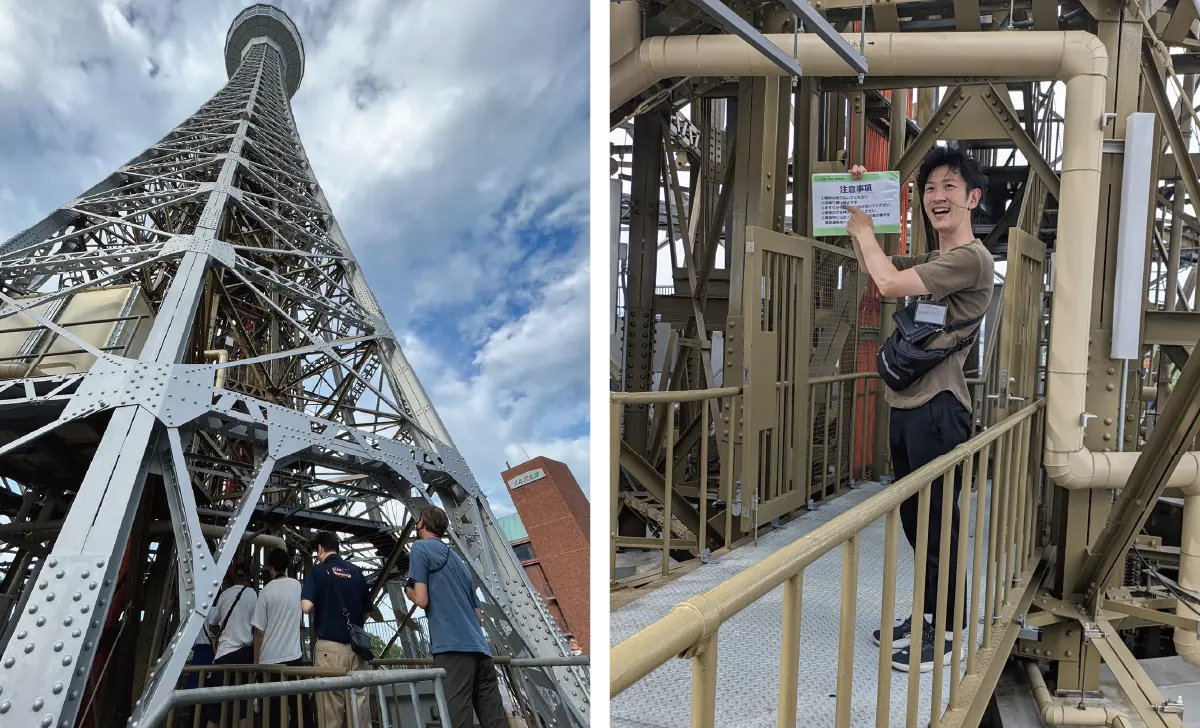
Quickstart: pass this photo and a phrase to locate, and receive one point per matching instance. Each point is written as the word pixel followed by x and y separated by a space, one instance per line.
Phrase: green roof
pixel 512 528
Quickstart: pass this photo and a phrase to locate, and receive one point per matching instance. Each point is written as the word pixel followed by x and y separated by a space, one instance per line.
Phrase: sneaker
pixel 933 647
pixel 901 634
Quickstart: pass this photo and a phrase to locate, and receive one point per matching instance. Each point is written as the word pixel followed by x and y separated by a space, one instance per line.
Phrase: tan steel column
pixel 804 154
pixel 756 200
pixel 897 123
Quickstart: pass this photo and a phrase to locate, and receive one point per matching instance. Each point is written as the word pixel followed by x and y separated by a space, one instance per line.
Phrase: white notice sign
pixel 877 194
pixel 526 478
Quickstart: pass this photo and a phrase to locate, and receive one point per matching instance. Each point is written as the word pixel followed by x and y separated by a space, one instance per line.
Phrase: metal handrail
pixel 726 486
pixel 690 628
pixel 565 661
pixel 688 395
pixel 248 691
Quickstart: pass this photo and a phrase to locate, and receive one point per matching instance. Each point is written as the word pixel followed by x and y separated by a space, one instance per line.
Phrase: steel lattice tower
pixel 250 372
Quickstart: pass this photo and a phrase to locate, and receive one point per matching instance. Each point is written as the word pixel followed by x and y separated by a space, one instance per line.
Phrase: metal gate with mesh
pixel 778 343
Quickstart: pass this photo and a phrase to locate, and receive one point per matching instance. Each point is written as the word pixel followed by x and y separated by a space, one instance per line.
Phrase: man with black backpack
pixel 229 623
pixel 922 363
pixel 336 594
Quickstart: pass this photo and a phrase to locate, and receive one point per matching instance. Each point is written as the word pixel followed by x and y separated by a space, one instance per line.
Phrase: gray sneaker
pixel 901 634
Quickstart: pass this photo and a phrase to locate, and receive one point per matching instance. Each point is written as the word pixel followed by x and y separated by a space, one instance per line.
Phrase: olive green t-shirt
pixel 962 279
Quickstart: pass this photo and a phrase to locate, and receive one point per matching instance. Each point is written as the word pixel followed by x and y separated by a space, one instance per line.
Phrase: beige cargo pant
pixel 331 705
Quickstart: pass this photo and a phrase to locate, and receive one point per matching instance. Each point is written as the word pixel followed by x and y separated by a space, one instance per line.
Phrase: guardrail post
pixel 704 684
pixel 440 696
pixel 614 451
pixel 669 489
pixel 702 536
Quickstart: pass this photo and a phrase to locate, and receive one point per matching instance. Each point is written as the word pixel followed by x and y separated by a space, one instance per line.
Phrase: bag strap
pixel 445 560
pixel 229 614
pixel 336 593
pixel 963 324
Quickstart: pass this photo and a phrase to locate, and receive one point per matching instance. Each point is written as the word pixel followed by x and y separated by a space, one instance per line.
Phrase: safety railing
pixel 841 446
pixel 361 708
pixel 670 402
pixel 502 663
pixel 841 422
pixel 1000 572
pixel 251 677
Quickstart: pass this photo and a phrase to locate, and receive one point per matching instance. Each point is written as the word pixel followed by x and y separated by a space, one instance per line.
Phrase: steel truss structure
pixel 261 384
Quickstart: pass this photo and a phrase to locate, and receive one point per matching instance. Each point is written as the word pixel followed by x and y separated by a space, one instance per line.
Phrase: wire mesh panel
pixel 836 333
pixel 777 341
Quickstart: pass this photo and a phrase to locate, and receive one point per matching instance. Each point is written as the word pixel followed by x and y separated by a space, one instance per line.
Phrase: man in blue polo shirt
pixel 440 584
pixel 335 592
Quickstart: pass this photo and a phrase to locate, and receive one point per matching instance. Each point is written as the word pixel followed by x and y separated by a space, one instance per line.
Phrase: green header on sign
pixel 846 177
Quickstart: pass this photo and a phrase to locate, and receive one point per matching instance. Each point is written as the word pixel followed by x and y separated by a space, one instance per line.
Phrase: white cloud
pixel 528 394
pixel 449 135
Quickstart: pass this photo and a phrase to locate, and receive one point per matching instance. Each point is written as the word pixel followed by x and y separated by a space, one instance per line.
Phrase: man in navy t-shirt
pixel 334 585
pixel 440 584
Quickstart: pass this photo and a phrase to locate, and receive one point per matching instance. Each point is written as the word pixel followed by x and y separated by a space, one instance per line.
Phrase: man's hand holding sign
pixel 861 229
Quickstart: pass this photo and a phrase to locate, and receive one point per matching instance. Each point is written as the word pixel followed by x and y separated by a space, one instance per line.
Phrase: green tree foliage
pixel 393 652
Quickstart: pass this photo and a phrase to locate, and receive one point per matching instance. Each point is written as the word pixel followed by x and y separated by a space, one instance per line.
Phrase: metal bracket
pixel 1172 707
pixel 1084 417
pixel 820 26
pixel 1091 633
pixel 734 23
pixel 1106 119
pixel 1029 633
pixel 1113 146
pixel 220 251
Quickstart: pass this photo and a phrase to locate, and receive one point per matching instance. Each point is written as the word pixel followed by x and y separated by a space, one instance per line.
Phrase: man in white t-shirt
pixel 229 622
pixel 276 625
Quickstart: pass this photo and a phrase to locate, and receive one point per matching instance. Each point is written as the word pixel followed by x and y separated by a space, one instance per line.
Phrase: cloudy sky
pixel 449 135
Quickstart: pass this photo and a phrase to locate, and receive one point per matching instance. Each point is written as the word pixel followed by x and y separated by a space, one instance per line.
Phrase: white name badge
pixel 931 313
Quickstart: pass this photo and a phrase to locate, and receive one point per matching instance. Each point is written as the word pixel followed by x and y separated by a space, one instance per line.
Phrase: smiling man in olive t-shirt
pixel 933 415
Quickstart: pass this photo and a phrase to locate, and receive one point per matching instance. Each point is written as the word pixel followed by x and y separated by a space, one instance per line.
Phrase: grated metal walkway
pixel 748 646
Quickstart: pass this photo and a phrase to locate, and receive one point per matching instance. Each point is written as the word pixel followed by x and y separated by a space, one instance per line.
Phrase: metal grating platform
pixel 748 647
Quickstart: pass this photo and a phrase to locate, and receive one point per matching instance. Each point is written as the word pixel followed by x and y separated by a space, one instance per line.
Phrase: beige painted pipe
pixel 624 27
pixel 212 530
pixel 1186 642
pixel 222 357
pixel 1037 55
pixel 1058 714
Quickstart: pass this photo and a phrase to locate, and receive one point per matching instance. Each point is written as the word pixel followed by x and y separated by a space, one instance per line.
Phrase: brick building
pixel 549 534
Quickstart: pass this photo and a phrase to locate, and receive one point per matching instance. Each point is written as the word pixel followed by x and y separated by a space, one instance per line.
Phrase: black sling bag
pixel 360 639
pixel 903 359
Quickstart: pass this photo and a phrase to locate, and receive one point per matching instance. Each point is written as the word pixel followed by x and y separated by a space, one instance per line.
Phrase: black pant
pixel 276 704
pixel 919 436
pixel 471 682
pixel 237 710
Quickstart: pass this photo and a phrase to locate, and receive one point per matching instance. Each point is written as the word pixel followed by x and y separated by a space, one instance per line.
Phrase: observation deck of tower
pixel 193 369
